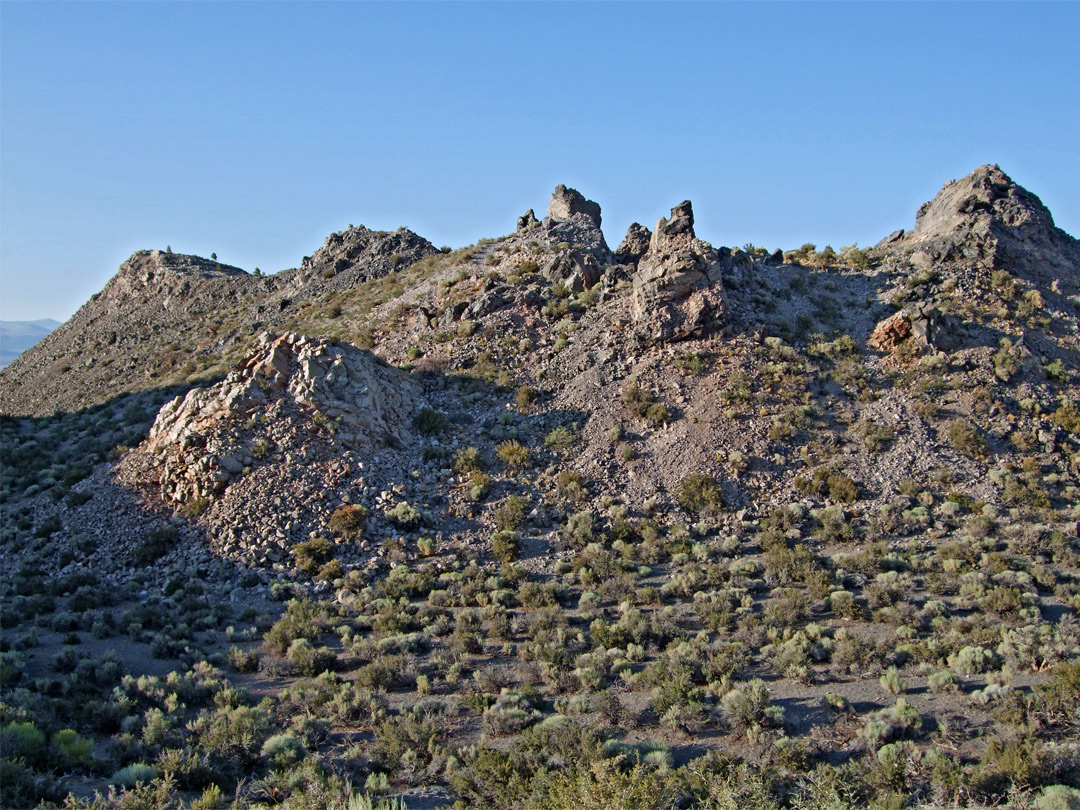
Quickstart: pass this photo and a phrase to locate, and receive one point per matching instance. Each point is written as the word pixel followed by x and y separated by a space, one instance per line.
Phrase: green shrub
pixel 405 515
pixel 578 531
pixel 965 438
pixel 892 682
pixel 505 546
pixel 560 439
pixel 283 750
pixel 311 554
pixel 242 660
pixel 642 405
pixel 526 396
pixel 308 659
pixel 136 773
pixel 479 486
pixel 944 681
pixel 745 705
pixel 1068 418
pixel 514 455
pixel 348 521
pixel 71 746
pixel 1058 797
pixel 571 485
pixel 842 488
pixel 510 514
pixel 22 741
pixel 429 421
pixel 700 494
pixel 469 460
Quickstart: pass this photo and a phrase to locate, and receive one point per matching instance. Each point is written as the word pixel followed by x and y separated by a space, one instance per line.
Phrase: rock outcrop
pixel 677 289
pixel 358 254
pixel 527 221
pixel 573 227
pixel 567 203
pixel 286 390
pixel 634 245
pixel 577 270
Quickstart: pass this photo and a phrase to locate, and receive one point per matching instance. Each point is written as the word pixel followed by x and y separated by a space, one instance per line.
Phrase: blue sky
pixel 255 129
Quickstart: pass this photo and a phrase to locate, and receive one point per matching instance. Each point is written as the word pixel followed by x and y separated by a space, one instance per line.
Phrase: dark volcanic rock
pixel 527 221
pixel 634 244
pixel 358 254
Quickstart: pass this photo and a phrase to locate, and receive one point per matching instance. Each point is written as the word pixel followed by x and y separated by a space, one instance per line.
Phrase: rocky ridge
pixel 822 468
pixel 677 286
pixel 351 257
pixel 168 318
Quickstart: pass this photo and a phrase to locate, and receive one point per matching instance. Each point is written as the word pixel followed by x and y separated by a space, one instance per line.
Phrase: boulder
pixel 922 324
pixel 575 269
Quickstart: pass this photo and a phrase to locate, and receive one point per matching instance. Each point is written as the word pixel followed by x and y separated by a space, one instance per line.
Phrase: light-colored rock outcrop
pixel 203 441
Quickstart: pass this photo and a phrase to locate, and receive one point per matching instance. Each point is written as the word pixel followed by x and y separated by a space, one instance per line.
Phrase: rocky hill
pixel 168 318
pixel 566 513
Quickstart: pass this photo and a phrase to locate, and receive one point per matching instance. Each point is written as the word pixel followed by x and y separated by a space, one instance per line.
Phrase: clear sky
pixel 255 129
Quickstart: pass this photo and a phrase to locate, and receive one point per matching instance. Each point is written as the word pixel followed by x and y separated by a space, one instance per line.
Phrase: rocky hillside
pixel 565 512
pixel 168 319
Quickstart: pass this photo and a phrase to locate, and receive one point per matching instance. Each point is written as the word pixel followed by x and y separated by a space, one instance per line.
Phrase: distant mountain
pixel 18 336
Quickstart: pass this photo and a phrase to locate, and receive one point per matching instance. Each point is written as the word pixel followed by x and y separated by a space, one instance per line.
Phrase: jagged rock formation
pixel 573 224
pixel 566 203
pixel 677 288
pixel 527 221
pixel 982 237
pixel 634 245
